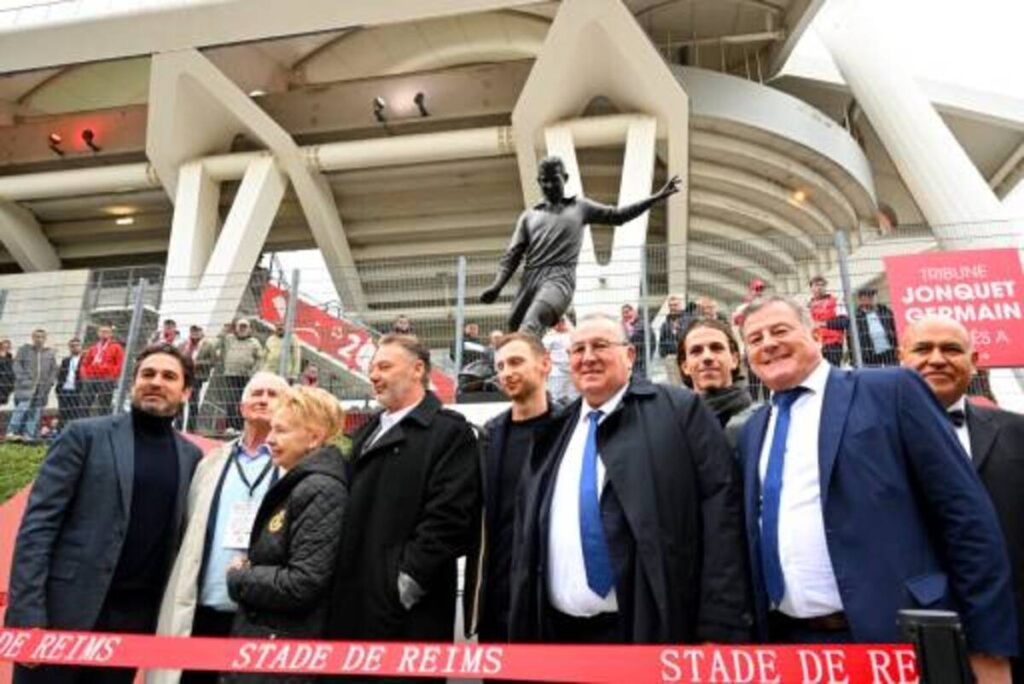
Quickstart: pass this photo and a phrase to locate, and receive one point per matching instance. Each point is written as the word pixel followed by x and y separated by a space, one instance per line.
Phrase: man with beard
pixel 103 519
pixel 709 361
pixel 523 366
pixel 548 237
pixel 413 508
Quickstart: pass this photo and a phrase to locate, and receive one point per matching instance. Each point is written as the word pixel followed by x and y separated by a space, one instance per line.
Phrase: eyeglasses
pixel 596 346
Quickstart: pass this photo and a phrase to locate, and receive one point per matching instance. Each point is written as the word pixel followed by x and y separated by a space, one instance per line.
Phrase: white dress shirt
pixel 568 590
pixel 811 588
pixel 69 381
pixel 962 433
pixel 388 420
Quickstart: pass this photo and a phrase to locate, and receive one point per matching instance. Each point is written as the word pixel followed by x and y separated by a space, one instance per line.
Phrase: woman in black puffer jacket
pixel 282 588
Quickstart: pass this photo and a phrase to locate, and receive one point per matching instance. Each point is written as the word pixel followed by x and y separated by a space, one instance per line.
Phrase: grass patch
pixel 18 466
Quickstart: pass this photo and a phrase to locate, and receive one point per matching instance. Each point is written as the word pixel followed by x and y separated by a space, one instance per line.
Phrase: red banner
pixel 983 289
pixel 543 663
pixel 351 344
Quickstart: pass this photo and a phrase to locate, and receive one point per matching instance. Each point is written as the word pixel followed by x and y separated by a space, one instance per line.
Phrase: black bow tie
pixel 957 417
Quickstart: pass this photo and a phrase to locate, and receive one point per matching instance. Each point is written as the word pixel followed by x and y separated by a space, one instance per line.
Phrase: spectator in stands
pixel 876 330
pixel 35 370
pixel 755 293
pixel 310 375
pixel 709 362
pixel 631 519
pixel 241 354
pixel 283 588
pixel 708 308
pixel 104 516
pixel 402 325
pixel 940 350
pixel 168 334
pixel 226 492
pixel 272 359
pixel 676 320
pixel 861 502
pixel 523 366
pixel 556 341
pixel 635 330
pixel 101 369
pixel 397 565
pixel 473 348
pixel 6 371
pixel 69 385
pixel 830 320
pixel 203 352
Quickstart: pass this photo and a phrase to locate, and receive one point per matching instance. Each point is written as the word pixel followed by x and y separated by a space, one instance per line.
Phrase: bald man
pixel 940 350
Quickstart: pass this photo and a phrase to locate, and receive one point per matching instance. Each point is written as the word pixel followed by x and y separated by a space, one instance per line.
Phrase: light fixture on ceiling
pixel 379 105
pixel 54 141
pixel 89 138
pixel 257 93
pixel 420 101
pixel 798 197
pixel 125 220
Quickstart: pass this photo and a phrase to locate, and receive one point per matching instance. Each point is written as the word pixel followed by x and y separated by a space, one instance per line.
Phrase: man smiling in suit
pixel 940 349
pixel 860 503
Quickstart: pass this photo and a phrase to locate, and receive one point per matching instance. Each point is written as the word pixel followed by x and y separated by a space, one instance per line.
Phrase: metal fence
pixel 312 341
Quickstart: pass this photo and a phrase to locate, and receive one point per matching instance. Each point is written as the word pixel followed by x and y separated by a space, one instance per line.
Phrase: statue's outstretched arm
pixel 615 216
pixel 509 261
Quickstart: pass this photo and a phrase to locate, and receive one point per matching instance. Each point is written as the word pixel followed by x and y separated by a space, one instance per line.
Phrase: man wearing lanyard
pixel 226 492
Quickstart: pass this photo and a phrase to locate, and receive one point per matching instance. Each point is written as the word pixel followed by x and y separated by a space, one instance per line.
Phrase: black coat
pixel 6 377
pixel 672 512
pixel 414 508
pixel 293 552
pixel 867 347
pixel 997 451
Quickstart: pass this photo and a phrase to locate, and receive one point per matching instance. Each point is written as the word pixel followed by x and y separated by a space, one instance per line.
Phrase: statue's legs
pixel 539 317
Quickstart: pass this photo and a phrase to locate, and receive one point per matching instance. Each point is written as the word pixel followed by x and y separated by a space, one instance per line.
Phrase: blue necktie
pixel 771 491
pixel 598 563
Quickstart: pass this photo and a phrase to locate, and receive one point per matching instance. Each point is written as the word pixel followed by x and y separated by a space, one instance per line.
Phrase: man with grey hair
pixel 860 502
pixel 940 349
pixel 226 492
pixel 632 512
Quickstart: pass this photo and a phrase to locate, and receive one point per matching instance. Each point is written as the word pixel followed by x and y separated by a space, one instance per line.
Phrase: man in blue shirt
pixel 226 492
pixel 876 329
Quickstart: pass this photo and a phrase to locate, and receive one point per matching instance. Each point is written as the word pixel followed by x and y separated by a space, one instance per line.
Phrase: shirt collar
pixel 390 418
pixel 261 451
pixel 958 405
pixel 607 407
pixel 817 379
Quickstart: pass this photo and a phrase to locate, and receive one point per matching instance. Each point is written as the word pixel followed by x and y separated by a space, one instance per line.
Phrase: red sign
pixel 534 662
pixel 351 344
pixel 983 289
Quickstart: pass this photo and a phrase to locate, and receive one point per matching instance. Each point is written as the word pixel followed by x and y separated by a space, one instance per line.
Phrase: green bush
pixel 18 466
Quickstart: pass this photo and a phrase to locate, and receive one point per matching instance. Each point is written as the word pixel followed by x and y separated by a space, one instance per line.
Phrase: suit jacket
pixel 997 450
pixel 414 507
pixel 907 523
pixel 75 523
pixel 62 374
pixel 671 510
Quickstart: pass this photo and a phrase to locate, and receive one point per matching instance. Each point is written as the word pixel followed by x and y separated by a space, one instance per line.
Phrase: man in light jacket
pixel 35 370
pixel 226 491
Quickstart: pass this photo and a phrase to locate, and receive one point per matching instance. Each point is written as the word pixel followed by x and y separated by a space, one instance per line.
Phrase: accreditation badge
pixel 240 520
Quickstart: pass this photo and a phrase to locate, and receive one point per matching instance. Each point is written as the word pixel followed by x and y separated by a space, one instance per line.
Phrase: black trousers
pixel 605 628
pixel 208 623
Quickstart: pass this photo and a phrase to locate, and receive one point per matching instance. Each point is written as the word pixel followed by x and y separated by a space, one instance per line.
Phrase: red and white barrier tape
pixel 884 664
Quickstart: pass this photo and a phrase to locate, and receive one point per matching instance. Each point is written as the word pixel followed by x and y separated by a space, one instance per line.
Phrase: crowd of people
pixel 85 380
pixel 636 512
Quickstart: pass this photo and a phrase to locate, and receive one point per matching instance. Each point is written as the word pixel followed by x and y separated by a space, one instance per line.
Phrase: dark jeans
pixel 234 386
pixel 97 396
pixel 207 623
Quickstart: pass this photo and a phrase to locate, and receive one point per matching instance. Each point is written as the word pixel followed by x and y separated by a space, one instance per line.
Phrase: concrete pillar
pixel 956 200
pixel 23 237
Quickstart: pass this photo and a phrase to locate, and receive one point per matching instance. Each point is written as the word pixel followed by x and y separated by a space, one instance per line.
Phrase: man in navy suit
pixel 103 520
pixel 861 502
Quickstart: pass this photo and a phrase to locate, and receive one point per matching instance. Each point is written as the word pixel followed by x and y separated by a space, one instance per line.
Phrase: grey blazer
pixel 75 523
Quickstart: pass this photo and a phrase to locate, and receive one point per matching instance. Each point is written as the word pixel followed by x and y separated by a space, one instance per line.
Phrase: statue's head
pixel 551 177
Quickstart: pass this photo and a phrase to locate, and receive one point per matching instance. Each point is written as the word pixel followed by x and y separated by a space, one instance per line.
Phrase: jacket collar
pixel 422 415
pixel 982 432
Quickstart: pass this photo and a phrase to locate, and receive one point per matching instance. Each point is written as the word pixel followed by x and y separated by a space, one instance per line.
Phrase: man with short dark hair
pixel 630 524
pixel 522 365
pixel 101 369
pixel 635 330
pixel 69 385
pixel 940 349
pixel 103 520
pixel 876 330
pixel 35 369
pixel 413 507
pixel 830 320
pixel 861 503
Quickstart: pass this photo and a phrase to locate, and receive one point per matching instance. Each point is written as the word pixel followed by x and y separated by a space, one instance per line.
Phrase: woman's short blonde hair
pixel 313 406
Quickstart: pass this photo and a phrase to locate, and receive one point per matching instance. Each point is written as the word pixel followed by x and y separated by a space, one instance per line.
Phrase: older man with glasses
pixel 632 513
